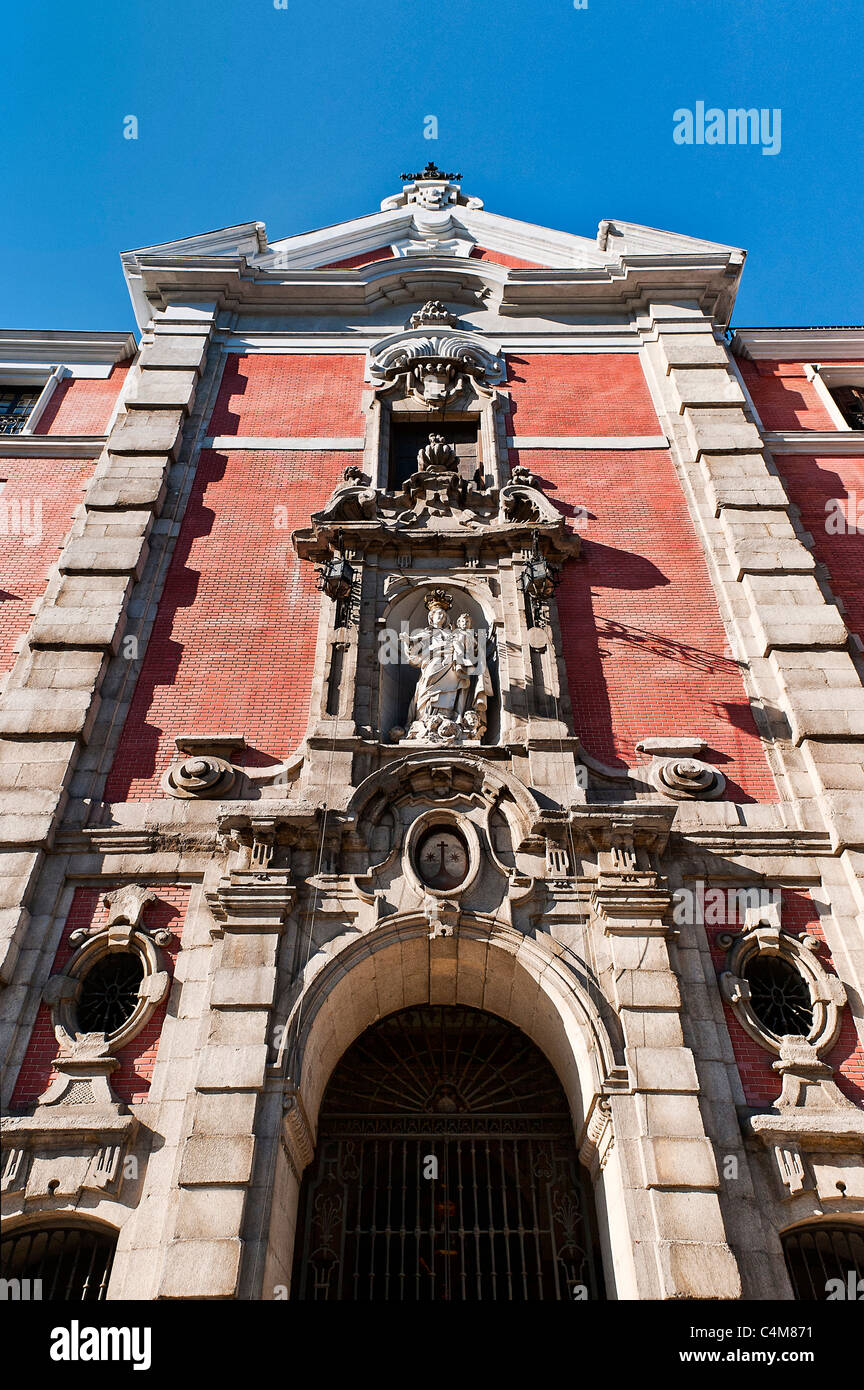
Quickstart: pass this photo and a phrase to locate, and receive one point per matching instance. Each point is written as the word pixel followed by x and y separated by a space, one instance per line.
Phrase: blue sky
pixel 303 116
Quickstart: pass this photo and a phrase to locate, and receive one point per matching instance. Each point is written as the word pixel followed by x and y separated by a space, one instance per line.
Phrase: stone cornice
pixel 828 442
pixel 70 446
pixel 799 344
pixel 708 277
pixel 48 346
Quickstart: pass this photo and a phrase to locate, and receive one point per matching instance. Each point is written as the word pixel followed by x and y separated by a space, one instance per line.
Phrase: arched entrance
pixel 445 1170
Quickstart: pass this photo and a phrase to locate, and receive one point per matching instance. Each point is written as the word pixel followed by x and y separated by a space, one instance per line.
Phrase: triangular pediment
pixel 432 220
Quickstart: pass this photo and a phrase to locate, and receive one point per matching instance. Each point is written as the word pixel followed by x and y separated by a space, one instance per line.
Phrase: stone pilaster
pixel 668 1166
pixel 51 701
pixel 250 907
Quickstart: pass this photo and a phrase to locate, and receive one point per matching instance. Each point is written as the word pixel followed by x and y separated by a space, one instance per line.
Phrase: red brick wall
pixel 290 395
pixel 783 396
pixel 645 649
pixel 580 394
pixel 812 483
pixel 55 486
pixel 131 1081
pixel 383 253
pixel 232 649
pixel 233 645
pixel 480 253
pixel 80 405
pixel 762 1085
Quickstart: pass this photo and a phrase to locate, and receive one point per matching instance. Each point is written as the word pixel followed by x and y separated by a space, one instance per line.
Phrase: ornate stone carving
pixel 450 702
pixel 436 365
pixel 807 1080
pixel 296 1130
pixel 205 771
pixel 202 775
pixel 792 1170
pixel 431 190
pixel 84 1064
pixel 598 1136
pixel 433 314
pixel 762 936
pixel 64 1150
pixel 125 931
pixel 687 779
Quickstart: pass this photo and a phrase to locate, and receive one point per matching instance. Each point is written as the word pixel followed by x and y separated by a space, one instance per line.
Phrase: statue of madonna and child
pixel 452 694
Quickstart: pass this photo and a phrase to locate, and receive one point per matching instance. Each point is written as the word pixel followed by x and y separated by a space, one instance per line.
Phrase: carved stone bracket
pixel 297 1136
pixel 807 1080
pixel 251 899
pixel 597 1137
pixel 442 916
pixel 84 1064
pixel 815 1152
pixel 58 1154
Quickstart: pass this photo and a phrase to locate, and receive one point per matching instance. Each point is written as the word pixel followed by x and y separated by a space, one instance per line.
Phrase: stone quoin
pixel 283 918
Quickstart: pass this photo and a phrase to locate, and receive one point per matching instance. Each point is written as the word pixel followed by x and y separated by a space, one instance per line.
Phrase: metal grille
pixel 15 408
pixel 62 1263
pixel 850 399
pixel 457 1180
pixel 779 996
pixel 816 1255
pixel 109 992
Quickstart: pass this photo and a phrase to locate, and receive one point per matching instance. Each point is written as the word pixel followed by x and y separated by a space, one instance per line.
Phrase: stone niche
pixel 464 618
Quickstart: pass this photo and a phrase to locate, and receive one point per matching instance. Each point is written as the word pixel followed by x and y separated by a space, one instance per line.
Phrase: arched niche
pixel 398 679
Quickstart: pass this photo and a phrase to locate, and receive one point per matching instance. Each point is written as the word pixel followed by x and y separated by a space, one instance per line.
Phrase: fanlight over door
pixel 446 1169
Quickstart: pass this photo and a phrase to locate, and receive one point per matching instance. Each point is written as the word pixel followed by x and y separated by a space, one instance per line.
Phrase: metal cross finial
pixel 430 172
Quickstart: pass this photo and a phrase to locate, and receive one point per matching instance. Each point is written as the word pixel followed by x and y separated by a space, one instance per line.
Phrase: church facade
pixel 432 757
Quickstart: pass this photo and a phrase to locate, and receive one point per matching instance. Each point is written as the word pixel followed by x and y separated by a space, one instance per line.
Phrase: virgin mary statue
pixel 449 703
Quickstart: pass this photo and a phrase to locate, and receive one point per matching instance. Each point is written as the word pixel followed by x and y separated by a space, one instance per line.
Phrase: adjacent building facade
pixel 432 758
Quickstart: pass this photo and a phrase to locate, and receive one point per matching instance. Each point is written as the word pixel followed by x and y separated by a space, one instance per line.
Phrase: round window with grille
pixel 779 996
pixel 109 992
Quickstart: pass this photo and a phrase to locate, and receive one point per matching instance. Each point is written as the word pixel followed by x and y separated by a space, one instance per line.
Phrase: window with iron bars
pixel 850 402
pixel 15 408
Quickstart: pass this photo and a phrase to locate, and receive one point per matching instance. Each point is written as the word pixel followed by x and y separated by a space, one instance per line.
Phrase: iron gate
pixel 427 1193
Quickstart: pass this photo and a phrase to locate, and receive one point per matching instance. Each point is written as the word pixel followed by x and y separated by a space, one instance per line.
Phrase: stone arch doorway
pixel 445 1170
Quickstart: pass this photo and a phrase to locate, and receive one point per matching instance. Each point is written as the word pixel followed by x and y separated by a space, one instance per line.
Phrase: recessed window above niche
pixel 408 437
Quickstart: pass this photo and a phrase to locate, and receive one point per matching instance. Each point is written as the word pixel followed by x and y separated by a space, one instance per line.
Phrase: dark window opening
pixel 779 996
pixel 59 1263
pixel 407 439
pixel 109 993
pixel 850 401
pixel 15 408
pixel 825 1262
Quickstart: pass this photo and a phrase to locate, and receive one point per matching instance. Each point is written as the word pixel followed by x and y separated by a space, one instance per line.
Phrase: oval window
pixel 109 992
pixel 779 996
